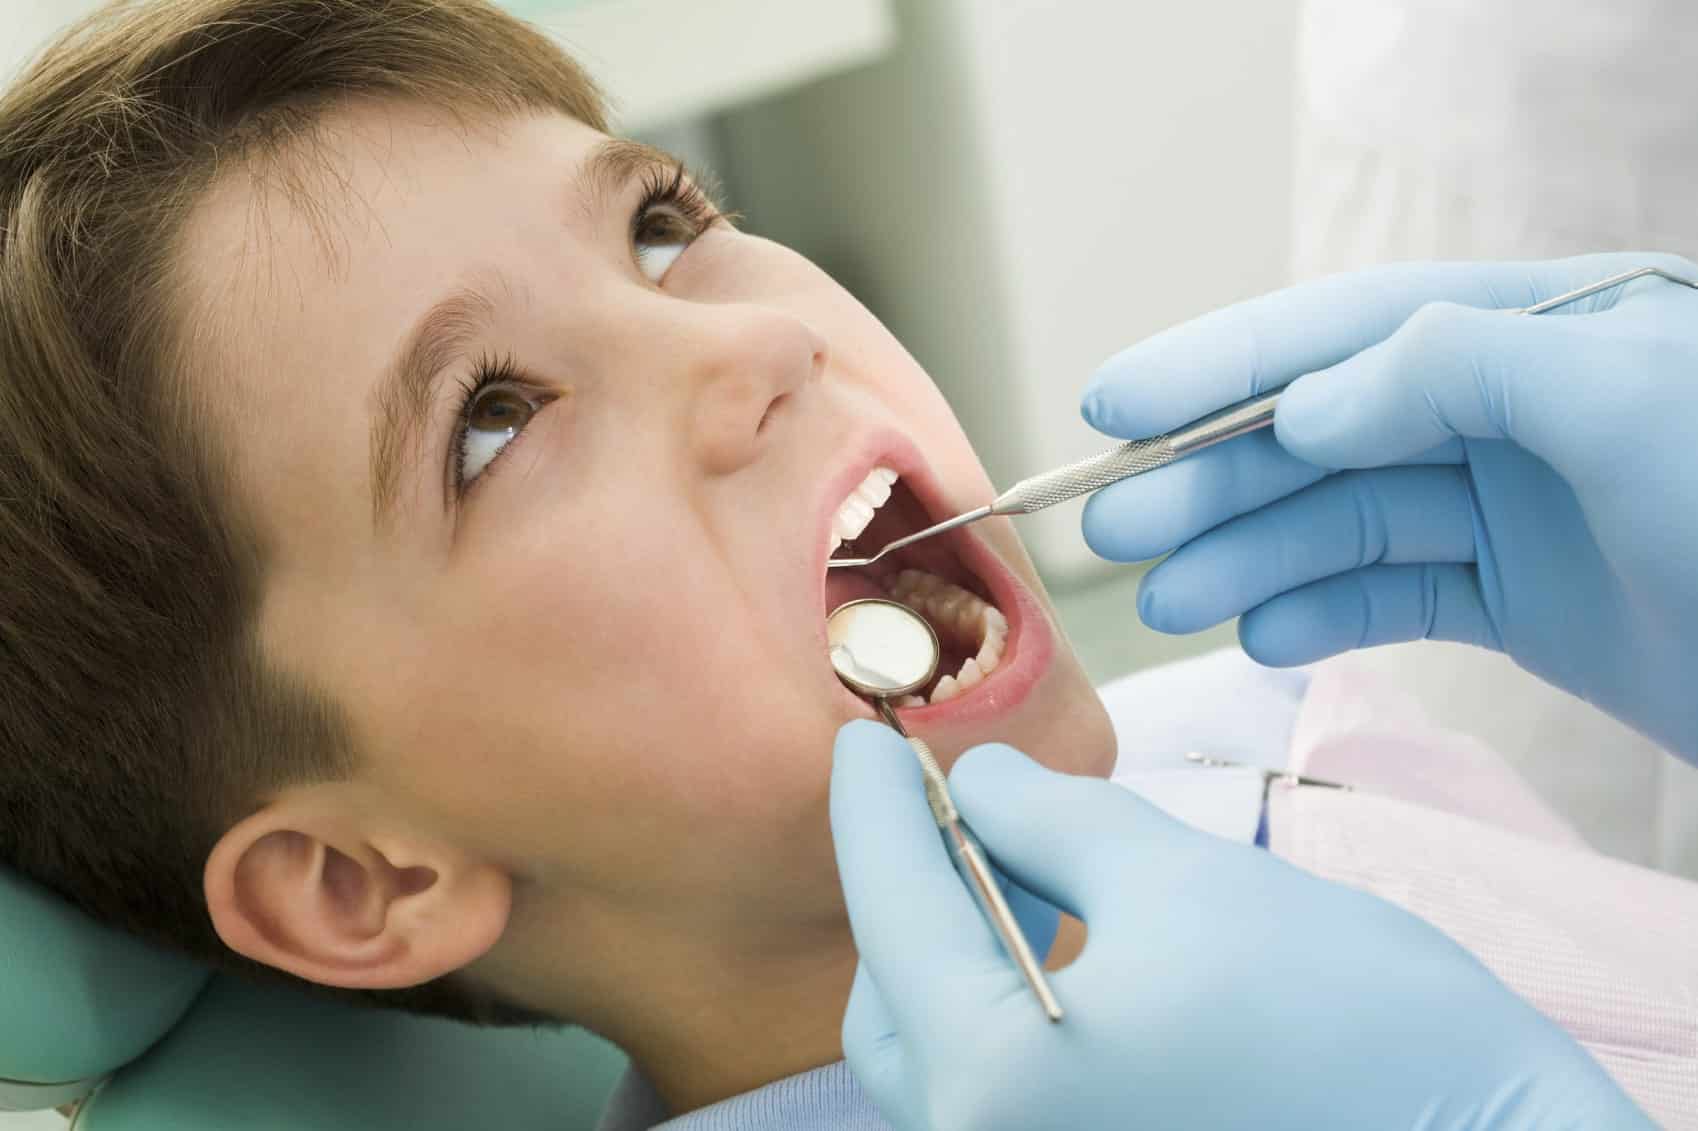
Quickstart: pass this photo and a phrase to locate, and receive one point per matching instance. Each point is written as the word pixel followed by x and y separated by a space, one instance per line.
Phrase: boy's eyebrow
pixel 614 162
pixel 401 399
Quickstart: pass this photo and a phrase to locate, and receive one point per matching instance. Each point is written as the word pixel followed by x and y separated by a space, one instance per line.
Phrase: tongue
pixel 845 585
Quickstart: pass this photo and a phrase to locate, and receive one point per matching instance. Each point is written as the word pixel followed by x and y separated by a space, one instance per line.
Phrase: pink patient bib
pixel 1440 825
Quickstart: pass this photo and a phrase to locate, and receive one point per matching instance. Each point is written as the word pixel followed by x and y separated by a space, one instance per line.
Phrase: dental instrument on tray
pixel 1135 457
pixel 882 650
pixel 1269 777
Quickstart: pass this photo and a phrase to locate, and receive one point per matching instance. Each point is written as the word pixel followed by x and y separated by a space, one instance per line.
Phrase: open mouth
pixel 936 578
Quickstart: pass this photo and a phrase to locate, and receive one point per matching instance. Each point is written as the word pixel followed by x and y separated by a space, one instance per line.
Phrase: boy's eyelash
pixel 489 370
pixel 674 187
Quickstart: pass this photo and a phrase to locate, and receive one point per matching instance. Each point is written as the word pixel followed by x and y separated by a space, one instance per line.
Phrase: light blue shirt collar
pixel 822 1099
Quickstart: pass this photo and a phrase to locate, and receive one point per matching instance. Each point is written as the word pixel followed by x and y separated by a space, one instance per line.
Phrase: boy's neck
pixel 706 1019
pixel 703 1014
pixel 755 1027
pixel 747 1024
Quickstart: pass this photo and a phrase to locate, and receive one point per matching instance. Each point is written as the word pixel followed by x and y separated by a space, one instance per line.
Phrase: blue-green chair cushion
pixel 80 999
pixel 264 1058
pixel 189 1051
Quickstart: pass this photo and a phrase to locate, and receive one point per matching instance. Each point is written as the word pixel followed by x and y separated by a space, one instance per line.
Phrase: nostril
pixel 770 409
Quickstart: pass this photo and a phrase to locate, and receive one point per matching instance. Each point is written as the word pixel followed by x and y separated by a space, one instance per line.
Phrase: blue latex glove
pixel 1219 987
pixel 1524 483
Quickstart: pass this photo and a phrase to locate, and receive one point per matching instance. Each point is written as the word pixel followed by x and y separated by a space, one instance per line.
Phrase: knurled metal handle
pixel 1136 457
pixel 1131 458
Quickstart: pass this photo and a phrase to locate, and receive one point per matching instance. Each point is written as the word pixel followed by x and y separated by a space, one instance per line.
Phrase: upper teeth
pixel 857 510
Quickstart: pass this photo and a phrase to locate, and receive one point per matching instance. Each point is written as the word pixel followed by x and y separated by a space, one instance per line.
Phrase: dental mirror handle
pixel 968 857
pixel 970 863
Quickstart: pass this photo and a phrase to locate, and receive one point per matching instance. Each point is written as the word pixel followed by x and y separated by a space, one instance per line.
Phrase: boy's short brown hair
pixel 138 719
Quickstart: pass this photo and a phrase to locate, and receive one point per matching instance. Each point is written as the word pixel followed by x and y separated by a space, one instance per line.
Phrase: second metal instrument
pixel 1138 456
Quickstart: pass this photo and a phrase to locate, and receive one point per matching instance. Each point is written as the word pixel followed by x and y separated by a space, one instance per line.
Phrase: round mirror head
pixel 880 648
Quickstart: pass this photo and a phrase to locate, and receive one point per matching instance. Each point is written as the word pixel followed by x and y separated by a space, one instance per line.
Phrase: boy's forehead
pixel 366 203
pixel 358 169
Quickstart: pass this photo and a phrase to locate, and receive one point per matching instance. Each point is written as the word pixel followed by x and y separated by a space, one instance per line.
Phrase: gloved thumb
pixel 1449 371
pixel 1059 836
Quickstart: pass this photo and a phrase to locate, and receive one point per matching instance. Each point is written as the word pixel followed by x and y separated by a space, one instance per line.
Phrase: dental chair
pixel 150 1041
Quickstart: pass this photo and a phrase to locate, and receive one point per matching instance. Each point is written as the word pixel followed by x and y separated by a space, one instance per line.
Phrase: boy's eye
pixel 659 238
pixel 673 211
pixel 493 420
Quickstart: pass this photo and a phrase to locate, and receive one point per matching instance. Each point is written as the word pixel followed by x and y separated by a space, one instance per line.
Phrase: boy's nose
pixel 750 361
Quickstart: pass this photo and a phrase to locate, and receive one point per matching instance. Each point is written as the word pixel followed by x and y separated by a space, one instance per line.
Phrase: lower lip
pixel 1024 659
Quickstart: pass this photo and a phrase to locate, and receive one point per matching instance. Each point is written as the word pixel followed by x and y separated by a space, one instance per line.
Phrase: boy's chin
pixel 1085 745
pixel 1073 735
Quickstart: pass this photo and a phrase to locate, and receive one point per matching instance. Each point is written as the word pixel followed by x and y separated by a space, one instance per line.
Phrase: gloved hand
pixel 1524 483
pixel 1219 987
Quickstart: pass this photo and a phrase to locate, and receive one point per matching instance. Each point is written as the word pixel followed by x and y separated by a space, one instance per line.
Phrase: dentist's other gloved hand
pixel 1219 987
pixel 1524 483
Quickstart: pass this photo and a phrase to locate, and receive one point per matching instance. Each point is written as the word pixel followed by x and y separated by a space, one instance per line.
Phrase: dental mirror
pixel 881 649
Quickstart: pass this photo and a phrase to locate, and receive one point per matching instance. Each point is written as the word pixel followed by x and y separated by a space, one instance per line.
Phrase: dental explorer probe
pixel 881 650
pixel 1135 457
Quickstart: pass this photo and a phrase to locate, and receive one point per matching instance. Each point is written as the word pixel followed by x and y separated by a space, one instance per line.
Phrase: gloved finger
pixel 1450 371
pixel 873 1046
pixel 1384 604
pixel 1394 515
pixel 1055 833
pixel 1267 342
pixel 1148 515
pixel 911 915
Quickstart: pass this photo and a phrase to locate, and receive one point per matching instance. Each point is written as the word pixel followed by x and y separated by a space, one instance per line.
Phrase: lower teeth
pixel 950 606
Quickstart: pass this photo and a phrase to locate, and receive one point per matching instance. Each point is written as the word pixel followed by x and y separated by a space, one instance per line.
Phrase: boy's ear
pixel 306 888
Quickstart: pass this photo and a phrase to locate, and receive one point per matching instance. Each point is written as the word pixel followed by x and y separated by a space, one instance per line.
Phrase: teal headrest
pixel 81 1000
pixel 188 1051
pixel 266 1058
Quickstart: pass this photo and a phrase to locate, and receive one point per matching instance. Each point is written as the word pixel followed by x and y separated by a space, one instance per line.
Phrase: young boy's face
pixel 602 662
